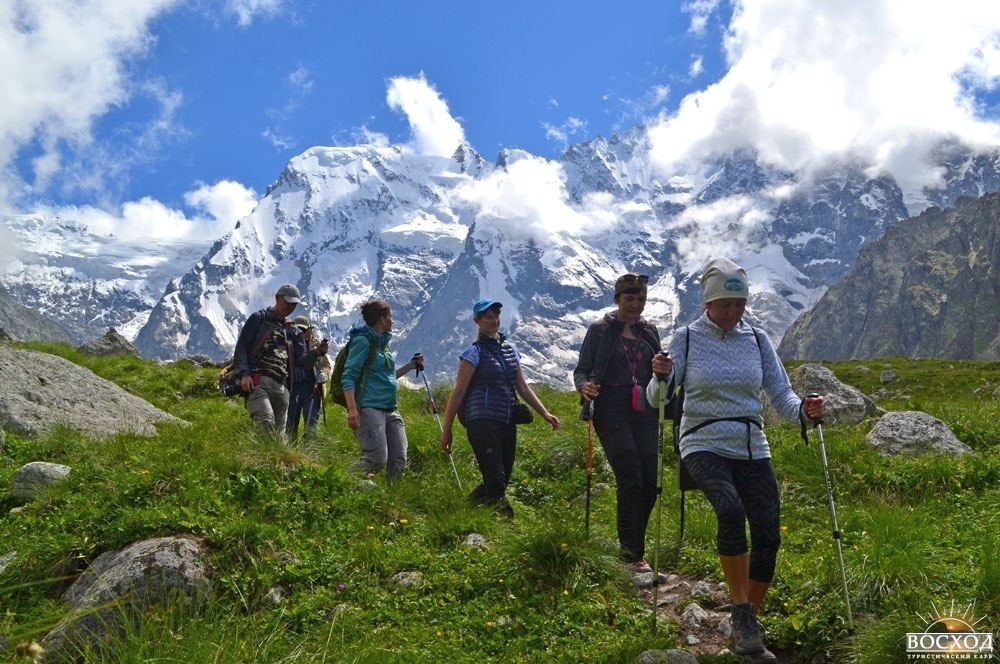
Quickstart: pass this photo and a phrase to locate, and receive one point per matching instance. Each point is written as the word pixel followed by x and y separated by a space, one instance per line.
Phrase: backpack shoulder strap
pixel 373 349
pixel 266 328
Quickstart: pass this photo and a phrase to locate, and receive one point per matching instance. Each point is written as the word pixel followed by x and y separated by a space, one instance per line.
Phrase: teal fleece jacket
pixel 380 379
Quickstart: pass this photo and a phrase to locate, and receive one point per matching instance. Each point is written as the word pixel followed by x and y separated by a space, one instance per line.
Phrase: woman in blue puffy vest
pixel 489 375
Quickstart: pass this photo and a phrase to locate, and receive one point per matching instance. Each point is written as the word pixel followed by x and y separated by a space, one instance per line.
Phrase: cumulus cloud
pixel 64 66
pixel 528 201
pixel 434 130
pixel 225 201
pixel 883 81
pixel 216 209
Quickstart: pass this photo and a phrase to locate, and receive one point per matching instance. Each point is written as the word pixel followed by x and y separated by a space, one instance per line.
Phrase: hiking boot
pixel 639 567
pixel 763 657
pixel 746 633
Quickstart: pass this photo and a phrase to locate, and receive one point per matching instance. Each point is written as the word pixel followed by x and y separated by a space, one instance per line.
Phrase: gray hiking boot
pixel 746 633
pixel 765 656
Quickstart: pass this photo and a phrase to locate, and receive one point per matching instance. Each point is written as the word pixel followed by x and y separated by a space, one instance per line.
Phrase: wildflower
pixel 369 528
pixel 404 521
pixel 564 546
pixel 500 580
pixel 440 633
pixel 565 592
pixel 341 587
pixel 490 623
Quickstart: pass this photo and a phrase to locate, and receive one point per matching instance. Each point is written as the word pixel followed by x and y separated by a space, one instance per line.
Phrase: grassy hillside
pixel 919 535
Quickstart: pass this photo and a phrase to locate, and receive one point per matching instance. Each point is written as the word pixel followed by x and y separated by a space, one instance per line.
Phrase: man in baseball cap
pixel 268 350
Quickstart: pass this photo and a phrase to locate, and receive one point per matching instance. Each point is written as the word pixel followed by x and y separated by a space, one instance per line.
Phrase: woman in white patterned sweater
pixel 723 364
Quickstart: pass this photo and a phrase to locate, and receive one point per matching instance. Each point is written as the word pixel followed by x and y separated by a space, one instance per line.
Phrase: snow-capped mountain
pixel 433 234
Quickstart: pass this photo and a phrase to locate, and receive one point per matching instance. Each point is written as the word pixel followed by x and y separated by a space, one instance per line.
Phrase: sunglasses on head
pixel 635 278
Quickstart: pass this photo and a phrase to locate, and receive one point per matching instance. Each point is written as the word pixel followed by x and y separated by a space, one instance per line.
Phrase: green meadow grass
pixel 918 534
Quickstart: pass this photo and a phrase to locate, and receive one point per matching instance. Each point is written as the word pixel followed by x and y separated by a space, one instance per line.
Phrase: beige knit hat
pixel 723 278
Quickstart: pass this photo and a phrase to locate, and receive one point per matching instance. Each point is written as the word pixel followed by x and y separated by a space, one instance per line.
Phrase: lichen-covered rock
pixel 119 585
pixel 35 476
pixel 912 432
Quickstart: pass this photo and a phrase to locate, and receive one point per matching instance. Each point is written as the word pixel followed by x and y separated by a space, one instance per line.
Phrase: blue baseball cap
pixel 482 305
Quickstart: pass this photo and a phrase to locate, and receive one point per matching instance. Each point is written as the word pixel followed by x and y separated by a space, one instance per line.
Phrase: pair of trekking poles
pixel 818 424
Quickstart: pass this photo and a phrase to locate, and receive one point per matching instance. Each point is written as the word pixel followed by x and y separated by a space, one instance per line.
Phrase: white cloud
pixel 225 201
pixel 365 136
pixel 568 129
pixel 697 67
pixel 148 221
pixel 301 79
pixel 247 10
pixel 700 11
pixel 880 80
pixel 278 141
pixel 64 65
pixel 434 130
pixel 528 201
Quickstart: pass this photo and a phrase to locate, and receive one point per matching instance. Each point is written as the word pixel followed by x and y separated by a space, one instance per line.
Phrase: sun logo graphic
pixel 950 635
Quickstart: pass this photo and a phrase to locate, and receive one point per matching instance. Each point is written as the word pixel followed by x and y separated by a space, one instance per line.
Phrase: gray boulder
pixel 6 559
pixel 42 390
pixel 119 586
pixel 674 656
pixel 844 404
pixel 32 477
pixel 111 343
pixel 407 580
pixel 912 433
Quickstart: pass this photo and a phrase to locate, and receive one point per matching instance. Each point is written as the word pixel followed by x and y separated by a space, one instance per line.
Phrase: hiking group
pixel 719 363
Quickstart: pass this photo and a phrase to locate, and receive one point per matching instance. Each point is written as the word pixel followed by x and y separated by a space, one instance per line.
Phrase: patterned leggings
pixel 741 491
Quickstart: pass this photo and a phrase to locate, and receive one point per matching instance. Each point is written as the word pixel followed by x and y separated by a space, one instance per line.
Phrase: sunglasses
pixel 634 279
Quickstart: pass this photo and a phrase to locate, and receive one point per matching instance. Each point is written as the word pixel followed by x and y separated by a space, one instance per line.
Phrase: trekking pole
pixel 659 501
pixel 590 462
pixel 434 409
pixel 833 512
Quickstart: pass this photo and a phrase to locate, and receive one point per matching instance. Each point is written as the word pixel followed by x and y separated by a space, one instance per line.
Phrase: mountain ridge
pixel 547 238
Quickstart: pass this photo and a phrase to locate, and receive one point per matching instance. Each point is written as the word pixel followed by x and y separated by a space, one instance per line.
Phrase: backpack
pixel 336 390
pixel 230 384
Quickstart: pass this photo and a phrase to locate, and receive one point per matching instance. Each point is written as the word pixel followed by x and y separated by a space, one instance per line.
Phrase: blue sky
pixel 157 114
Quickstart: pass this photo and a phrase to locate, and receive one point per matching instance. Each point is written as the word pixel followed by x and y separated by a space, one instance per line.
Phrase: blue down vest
pixel 491 390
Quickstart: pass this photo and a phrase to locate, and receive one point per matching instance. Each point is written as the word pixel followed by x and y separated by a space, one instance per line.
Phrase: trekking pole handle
pixel 813 395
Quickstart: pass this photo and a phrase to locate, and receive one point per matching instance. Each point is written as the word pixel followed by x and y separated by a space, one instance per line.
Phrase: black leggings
pixel 741 491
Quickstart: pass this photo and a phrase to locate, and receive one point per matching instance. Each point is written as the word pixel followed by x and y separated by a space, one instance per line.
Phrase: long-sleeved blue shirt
pixel 723 375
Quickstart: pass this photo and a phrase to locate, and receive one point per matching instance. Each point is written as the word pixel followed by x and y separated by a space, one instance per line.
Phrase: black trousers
pixel 494 444
pixel 630 443
pixel 742 491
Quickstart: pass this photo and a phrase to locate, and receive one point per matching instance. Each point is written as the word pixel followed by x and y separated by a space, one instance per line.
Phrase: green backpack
pixel 336 386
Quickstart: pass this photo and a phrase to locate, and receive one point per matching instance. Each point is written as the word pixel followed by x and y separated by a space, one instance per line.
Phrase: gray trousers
pixel 268 405
pixel 382 437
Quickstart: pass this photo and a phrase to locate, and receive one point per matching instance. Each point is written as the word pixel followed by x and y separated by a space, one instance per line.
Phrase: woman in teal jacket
pixel 369 382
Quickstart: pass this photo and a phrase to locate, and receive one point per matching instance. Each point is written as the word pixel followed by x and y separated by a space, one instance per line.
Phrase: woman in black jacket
pixel 615 365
